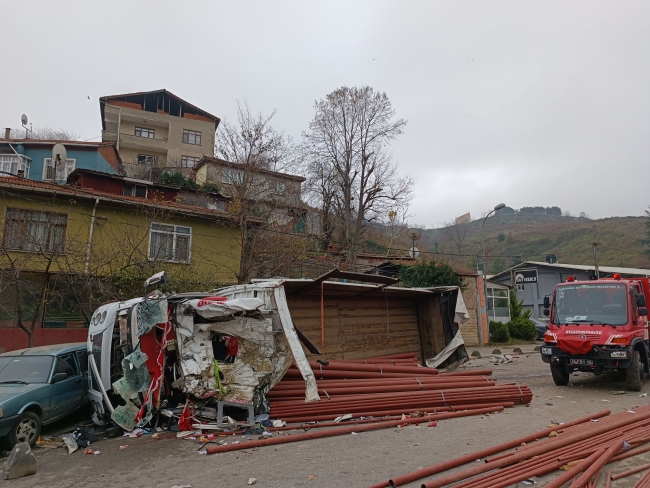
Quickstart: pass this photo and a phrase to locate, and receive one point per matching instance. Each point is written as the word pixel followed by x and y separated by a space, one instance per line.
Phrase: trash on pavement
pixel 252 481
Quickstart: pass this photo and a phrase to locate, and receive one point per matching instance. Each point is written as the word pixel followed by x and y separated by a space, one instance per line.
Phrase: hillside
pixel 512 238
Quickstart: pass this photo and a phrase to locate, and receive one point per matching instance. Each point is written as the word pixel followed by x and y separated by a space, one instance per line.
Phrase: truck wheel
pixel 560 376
pixel 634 374
pixel 27 429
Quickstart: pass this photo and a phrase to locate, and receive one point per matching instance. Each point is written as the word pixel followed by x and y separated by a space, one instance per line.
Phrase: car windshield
pixel 25 369
pixel 583 304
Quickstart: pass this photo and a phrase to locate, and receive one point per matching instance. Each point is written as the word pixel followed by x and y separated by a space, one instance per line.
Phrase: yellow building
pixel 86 246
pixel 157 129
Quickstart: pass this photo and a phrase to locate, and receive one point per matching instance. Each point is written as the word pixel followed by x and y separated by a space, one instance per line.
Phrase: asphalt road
pixel 346 461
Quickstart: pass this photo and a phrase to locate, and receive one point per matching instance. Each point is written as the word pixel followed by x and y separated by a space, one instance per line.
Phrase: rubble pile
pixel 580 449
pixel 385 386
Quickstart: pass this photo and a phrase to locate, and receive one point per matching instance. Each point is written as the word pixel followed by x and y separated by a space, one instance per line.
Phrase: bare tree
pixel 347 139
pixel 457 233
pixel 46 133
pixel 252 145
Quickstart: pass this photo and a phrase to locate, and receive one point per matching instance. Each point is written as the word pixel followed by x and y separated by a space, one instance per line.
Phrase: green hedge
pixel 522 328
pixel 499 332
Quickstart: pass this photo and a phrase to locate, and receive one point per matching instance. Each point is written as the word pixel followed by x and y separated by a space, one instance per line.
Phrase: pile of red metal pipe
pixel 594 441
pixel 388 385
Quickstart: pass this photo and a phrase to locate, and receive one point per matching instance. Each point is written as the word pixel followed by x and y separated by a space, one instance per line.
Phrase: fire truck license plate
pixel 587 362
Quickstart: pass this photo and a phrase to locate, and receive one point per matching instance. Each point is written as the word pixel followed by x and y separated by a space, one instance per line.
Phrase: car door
pixel 66 394
pixel 82 361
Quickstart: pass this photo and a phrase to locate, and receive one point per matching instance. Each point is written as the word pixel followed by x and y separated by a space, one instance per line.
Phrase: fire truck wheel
pixel 634 374
pixel 560 376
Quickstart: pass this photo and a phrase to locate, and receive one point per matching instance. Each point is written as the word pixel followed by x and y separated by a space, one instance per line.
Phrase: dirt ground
pixel 346 461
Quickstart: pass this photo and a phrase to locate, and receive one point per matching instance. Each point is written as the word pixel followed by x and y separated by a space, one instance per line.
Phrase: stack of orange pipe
pixel 388 385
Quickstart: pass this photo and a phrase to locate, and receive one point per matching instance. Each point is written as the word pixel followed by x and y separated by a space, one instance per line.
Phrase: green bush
pixel 522 328
pixel 499 332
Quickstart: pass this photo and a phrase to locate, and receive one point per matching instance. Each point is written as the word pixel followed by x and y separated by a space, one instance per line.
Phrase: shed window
pixel 170 242
pixel 33 231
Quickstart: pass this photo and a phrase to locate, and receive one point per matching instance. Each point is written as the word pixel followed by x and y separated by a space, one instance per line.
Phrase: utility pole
pixel 595 247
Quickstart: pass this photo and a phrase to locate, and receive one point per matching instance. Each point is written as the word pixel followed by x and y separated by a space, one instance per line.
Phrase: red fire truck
pixel 598 326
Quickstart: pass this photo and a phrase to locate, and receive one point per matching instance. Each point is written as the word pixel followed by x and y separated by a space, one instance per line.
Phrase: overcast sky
pixel 529 103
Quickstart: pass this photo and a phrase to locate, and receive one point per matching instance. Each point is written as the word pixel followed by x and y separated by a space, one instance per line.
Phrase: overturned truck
pixel 175 353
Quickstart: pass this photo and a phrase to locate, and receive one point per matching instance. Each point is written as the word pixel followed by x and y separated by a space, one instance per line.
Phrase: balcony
pixel 135 142
pixel 109 136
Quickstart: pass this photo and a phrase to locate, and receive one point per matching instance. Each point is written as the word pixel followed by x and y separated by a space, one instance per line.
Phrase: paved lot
pixel 347 461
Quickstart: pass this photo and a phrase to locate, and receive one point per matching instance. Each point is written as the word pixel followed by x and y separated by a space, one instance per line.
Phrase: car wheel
pixel 634 374
pixel 27 429
pixel 560 375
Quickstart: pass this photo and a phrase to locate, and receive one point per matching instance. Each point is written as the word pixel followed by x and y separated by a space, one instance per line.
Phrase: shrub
pixel 499 332
pixel 522 328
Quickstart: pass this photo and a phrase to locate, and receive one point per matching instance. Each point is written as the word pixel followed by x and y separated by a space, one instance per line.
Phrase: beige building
pixel 157 129
pixel 279 192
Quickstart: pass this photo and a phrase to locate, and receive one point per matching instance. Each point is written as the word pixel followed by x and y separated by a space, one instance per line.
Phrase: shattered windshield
pixel 25 369
pixel 584 304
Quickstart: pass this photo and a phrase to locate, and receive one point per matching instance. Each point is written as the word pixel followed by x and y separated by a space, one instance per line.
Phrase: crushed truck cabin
pixel 175 354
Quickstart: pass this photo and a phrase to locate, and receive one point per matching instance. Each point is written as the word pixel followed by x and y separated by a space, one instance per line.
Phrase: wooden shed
pixel 372 318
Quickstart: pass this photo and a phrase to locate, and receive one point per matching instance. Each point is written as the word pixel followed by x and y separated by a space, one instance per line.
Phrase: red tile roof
pixel 27 184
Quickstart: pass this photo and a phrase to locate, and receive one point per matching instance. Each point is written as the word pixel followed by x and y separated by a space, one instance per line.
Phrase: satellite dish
pixel 551 259
pixel 59 155
pixel 414 234
pixel 414 252
pixel 24 119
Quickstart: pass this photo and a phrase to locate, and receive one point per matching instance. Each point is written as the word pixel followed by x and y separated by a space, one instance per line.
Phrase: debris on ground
pixel 476 354
pixel 21 462
pixel 501 359
pixel 252 481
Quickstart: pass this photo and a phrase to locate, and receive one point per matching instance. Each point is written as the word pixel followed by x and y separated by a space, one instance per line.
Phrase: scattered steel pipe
pixel 468 458
pixel 342 431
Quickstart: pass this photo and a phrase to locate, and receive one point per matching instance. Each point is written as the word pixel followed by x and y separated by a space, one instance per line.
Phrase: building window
pixel 28 230
pixel 498 306
pixel 520 287
pixel 192 137
pixel 50 172
pixel 170 242
pixel 146 159
pixel 139 191
pixel 278 187
pixel 13 164
pixel 189 161
pixel 232 176
pixel 142 132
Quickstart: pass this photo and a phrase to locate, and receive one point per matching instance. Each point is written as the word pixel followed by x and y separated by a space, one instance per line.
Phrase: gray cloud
pixel 531 103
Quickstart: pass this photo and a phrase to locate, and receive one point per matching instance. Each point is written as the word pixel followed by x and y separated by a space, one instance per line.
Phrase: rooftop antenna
pixel 59 156
pixel 414 235
pixel 24 120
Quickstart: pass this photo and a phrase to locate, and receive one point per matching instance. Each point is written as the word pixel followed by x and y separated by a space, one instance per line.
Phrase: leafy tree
pixel 426 274
pixel 177 179
pixel 501 237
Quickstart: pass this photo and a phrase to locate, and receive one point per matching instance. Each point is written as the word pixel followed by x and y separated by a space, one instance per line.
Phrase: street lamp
pixel 498 206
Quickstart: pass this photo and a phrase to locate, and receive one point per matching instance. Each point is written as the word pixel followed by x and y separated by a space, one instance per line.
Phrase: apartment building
pixel 157 129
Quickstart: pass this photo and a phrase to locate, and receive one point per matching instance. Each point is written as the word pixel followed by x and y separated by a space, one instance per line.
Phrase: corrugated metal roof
pixel 580 267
